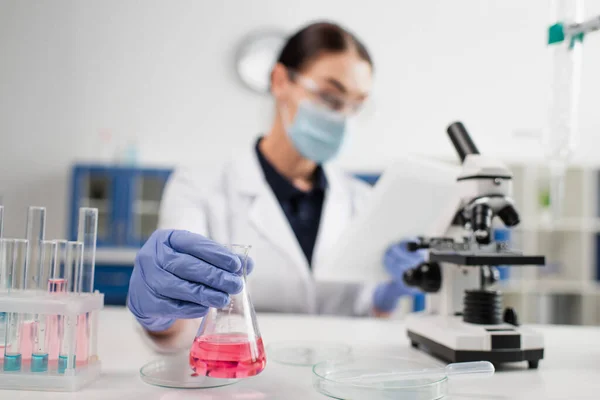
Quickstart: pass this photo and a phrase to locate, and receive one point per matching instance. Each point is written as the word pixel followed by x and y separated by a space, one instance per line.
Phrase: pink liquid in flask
pixel 228 355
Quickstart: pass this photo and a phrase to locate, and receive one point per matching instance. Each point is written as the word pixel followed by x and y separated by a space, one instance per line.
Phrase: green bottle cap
pixel 556 33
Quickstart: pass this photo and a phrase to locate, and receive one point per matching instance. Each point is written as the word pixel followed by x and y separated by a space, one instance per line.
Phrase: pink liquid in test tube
pixel 27 339
pixel 58 285
pixel 53 324
pixel 81 356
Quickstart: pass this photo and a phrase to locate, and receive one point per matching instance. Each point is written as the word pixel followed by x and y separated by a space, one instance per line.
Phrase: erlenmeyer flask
pixel 228 343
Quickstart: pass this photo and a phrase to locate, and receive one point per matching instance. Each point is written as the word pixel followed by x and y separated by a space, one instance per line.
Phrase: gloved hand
pixel 397 259
pixel 179 274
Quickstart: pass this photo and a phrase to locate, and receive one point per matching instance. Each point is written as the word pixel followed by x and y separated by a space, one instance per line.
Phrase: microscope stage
pixel 453 340
pixel 471 258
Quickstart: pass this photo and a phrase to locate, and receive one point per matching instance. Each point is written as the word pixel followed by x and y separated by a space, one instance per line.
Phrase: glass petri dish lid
pixel 306 353
pixel 175 372
pixel 344 379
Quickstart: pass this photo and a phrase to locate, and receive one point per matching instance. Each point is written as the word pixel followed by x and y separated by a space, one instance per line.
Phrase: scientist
pixel 280 197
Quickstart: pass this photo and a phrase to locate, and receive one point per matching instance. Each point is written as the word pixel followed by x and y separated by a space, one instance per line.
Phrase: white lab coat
pixel 234 204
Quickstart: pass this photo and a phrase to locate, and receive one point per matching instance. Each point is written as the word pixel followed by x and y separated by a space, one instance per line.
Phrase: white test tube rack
pixel 77 374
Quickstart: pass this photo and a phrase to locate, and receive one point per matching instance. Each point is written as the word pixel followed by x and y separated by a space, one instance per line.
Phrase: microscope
pixel 464 318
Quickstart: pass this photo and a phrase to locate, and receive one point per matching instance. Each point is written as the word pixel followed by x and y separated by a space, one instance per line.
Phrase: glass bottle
pixel 228 343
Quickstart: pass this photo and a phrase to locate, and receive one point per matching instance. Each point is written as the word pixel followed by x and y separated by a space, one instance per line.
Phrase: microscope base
pixel 452 340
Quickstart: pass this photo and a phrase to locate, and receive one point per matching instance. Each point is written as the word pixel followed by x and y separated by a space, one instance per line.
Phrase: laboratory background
pixel 101 100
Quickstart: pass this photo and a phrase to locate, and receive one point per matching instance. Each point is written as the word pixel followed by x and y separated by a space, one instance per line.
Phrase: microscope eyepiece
pixel 461 140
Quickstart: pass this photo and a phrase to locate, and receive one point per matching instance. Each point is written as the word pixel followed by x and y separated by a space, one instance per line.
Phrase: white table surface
pixel 570 370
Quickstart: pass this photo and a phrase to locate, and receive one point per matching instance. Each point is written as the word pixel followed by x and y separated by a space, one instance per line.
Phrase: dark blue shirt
pixel 302 209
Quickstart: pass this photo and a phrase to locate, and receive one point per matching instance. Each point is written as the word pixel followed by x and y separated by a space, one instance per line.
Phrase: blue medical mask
pixel 317 133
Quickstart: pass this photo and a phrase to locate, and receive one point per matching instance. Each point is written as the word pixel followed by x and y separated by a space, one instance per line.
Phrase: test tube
pixel 6 246
pixel 74 259
pixel 36 228
pixel 14 256
pixel 1 221
pixel 3 275
pixel 6 249
pixel 57 285
pixel 35 231
pixel 66 356
pixel 39 356
pixel 58 277
pixel 86 234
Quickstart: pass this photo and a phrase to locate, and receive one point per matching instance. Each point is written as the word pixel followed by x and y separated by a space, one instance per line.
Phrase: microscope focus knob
pixel 509 216
pixel 426 276
pixel 510 316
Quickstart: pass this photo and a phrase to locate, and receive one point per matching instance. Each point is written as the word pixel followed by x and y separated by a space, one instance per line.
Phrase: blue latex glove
pixel 179 274
pixel 397 259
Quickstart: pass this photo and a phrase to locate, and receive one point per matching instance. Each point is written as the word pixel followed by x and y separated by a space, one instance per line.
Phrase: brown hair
pixel 317 38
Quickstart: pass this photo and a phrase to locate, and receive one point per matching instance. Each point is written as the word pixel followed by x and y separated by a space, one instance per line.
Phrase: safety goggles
pixel 325 96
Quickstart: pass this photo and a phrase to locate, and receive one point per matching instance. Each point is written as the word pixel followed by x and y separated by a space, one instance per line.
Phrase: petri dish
pixel 342 379
pixel 175 372
pixel 306 353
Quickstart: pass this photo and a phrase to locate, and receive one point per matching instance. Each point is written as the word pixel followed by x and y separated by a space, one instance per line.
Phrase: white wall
pixel 162 71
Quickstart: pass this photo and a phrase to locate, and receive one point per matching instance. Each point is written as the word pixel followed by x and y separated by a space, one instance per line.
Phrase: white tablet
pixel 413 197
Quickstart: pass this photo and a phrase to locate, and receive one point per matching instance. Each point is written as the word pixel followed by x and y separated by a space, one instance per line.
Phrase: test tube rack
pixel 48 307
pixel 82 308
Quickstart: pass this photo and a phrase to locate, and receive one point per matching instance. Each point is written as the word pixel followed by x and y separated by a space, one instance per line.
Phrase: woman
pixel 280 198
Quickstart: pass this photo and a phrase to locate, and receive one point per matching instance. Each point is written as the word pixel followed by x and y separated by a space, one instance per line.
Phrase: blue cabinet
pixel 97 187
pixel 127 200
